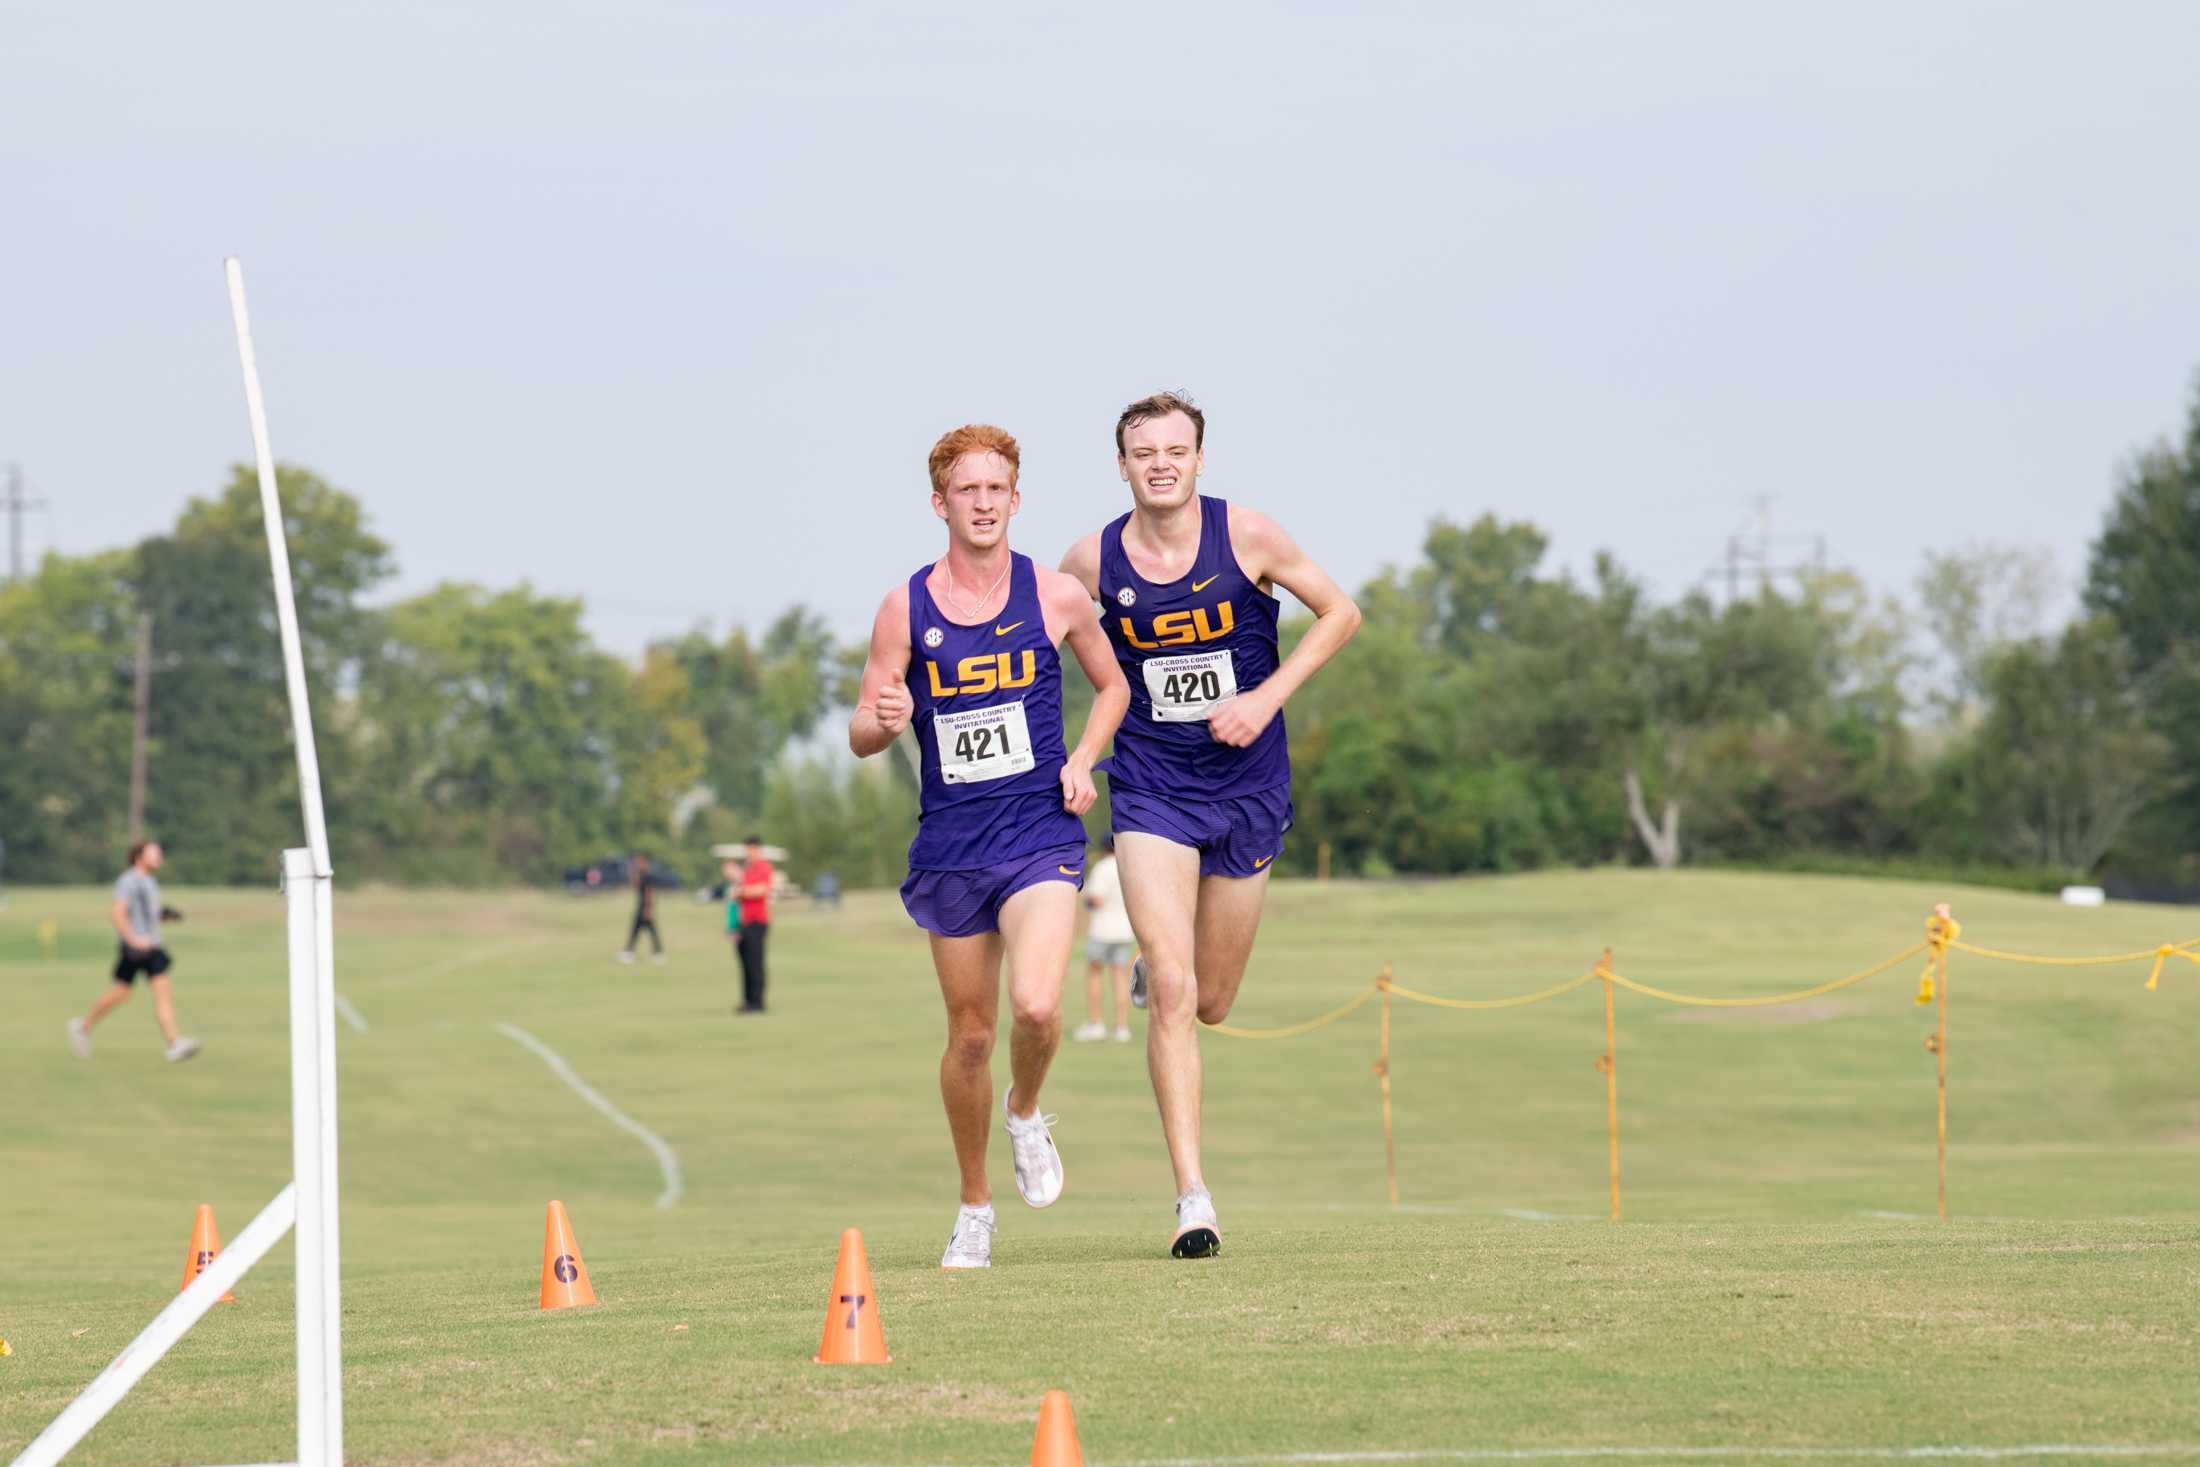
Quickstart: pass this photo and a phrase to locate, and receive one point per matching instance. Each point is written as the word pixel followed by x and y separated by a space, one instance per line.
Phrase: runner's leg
pixel 1229 920
pixel 116 993
pixel 164 1007
pixel 970 981
pixel 1122 995
pixel 1161 888
pixel 1092 989
pixel 1037 925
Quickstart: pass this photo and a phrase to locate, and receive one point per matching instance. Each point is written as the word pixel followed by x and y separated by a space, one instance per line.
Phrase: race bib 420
pixel 983 743
pixel 1187 689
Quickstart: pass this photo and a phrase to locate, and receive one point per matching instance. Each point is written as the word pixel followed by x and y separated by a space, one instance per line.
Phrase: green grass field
pixel 1780 1280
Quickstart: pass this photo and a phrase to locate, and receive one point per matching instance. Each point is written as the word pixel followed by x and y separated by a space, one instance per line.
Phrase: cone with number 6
pixel 852 1332
pixel 564 1277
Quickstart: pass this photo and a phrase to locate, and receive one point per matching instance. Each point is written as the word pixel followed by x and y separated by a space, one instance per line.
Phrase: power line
pixel 16 504
pixel 1753 550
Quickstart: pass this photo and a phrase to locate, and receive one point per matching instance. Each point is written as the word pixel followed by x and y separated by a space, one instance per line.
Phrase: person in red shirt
pixel 756 920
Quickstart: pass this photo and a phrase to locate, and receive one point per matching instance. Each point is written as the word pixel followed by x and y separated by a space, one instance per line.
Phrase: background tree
pixel 2144 575
pixel 222 788
pixel 1976 601
pixel 2066 757
pixel 65 716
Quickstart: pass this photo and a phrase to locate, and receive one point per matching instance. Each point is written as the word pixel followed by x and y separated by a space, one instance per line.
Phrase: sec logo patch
pixel 1126 597
pixel 933 636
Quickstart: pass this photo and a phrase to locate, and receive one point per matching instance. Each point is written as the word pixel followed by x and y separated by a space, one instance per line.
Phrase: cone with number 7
pixel 564 1277
pixel 852 1332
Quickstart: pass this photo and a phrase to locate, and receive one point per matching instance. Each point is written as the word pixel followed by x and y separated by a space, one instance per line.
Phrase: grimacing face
pixel 979 499
pixel 1161 461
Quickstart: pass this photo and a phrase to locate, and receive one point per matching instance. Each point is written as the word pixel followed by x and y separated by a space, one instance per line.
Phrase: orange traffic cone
pixel 852 1332
pixel 1056 1443
pixel 206 1246
pixel 564 1277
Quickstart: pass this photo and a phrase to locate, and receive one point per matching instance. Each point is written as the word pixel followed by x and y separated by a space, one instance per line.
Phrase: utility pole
pixel 144 711
pixel 16 504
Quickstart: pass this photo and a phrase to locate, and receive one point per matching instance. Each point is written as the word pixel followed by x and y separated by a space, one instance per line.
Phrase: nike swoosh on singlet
pixel 1264 860
pixel 1067 870
pixel 1001 631
pixel 1203 585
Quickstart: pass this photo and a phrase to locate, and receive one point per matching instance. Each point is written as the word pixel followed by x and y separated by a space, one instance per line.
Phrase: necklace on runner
pixel 956 601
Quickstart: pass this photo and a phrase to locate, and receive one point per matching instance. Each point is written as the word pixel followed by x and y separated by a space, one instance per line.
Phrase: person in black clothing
pixel 645 913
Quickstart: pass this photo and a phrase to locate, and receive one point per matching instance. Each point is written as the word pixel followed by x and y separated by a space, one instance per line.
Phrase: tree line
pixel 1493 715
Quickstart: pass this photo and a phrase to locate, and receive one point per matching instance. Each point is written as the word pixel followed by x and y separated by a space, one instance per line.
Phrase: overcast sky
pixel 662 304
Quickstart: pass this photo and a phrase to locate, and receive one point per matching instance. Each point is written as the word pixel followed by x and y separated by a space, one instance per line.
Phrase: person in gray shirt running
pixel 137 917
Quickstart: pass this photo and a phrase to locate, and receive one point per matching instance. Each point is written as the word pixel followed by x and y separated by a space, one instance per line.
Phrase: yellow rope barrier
pixel 1943 935
pixel 1292 1031
pixel 2042 961
pixel 1775 998
pixel 1495 1003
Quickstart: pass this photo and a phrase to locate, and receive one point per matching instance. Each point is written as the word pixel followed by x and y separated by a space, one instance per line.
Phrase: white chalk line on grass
pixel 667 1161
pixel 1576 1454
pixel 2035 1451
pixel 351 1015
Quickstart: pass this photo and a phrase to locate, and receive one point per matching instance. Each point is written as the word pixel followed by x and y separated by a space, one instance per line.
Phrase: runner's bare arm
pixel 883 704
pixel 1083 564
pixel 1266 553
pixel 123 928
pixel 1067 604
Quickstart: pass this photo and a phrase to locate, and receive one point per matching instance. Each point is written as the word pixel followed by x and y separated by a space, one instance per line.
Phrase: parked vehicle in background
pixel 616 873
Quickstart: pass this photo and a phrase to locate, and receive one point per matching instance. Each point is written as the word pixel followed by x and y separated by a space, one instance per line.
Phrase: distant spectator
pixel 728 891
pixel 645 913
pixel 137 913
pixel 1108 947
pixel 756 920
pixel 827 890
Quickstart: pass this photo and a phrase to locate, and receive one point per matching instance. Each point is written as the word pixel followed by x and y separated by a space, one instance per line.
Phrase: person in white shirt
pixel 1109 946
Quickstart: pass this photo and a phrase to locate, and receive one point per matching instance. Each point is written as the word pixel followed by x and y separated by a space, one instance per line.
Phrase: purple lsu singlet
pixel 1186 647
pixel 989 720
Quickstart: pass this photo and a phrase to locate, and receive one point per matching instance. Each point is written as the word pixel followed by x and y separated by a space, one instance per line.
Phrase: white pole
pixel 308 883
pixel 183 1311
pixel 286 608
pixel 313 1162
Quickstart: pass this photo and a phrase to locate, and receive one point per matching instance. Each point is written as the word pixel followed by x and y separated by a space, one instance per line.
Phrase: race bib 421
pixel 983 743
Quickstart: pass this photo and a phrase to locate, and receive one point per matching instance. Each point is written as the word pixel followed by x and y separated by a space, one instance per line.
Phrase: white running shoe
pixel 1038 1165
pixel 1123 1035
pixel 971 1244
pixel 1198 1235
pixel 1138 983
pixel 79 1040
pixel 659 960
pixel 1086 1033
pixel 625 956
pixel 184 1047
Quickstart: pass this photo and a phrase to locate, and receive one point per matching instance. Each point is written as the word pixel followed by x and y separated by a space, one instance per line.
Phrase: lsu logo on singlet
pixel 1182 628
pixel 984 673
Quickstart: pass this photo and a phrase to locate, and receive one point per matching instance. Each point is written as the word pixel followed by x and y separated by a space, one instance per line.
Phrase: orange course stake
pixel 1608 1062
pixel 1056 1443
pixel 565 1282
pixel 853 1335
pixel 1382 1072
pixel 1941 929
pixel 206 1246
